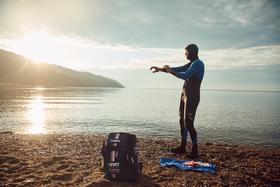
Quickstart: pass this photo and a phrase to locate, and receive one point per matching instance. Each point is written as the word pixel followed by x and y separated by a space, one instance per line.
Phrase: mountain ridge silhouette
pixel 19 70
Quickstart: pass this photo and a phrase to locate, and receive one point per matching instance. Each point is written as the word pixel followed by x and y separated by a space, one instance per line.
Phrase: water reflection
pixel 36 115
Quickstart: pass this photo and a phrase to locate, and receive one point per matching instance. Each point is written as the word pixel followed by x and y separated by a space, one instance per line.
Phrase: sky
pixel 239 40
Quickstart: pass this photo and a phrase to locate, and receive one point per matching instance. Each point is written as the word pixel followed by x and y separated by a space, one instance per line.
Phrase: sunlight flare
pixel 41 46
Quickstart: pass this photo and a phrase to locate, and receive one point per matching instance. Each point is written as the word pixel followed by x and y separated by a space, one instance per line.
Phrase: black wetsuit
pixel 193 75
pixel 190 98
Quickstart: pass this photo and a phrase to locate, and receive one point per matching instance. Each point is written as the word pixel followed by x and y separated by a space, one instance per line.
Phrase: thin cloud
pixel 79 53
pixel 217 59
pixel 246 57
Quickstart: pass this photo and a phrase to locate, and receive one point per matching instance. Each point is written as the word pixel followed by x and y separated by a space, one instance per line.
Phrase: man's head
pixel 191 52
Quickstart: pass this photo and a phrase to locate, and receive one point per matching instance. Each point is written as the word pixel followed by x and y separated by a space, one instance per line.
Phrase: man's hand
pixel 156 69
pixel 167 68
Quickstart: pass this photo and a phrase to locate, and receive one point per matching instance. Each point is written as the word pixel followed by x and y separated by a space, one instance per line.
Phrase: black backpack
pixel 120 157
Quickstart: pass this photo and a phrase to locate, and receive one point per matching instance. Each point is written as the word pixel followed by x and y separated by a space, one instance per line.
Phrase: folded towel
pixel 188 165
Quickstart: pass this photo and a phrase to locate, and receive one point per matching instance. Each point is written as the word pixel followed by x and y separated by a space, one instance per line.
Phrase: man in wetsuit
pixel 192 73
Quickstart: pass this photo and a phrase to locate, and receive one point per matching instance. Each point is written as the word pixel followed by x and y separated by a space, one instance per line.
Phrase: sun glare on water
pixel 36 116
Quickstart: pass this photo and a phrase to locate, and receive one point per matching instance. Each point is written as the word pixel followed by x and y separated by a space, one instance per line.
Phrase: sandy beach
pixel 75 160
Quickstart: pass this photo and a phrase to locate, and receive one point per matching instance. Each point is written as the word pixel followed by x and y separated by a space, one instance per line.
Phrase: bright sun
pixel 40 46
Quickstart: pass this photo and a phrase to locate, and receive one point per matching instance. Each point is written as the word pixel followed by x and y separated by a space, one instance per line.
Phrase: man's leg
pixel 193 134
pixel 189 124
pixel 183 129
pixel 184 135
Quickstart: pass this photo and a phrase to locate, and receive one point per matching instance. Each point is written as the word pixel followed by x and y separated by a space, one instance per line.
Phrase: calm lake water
pixel 223 116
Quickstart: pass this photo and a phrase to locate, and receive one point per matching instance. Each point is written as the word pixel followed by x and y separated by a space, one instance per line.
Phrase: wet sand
pixel 75 160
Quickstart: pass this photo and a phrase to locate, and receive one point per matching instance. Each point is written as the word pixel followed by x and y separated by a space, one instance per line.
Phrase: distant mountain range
pixel 18 70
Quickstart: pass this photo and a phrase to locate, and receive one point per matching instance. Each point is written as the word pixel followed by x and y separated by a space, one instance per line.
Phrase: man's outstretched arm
pixel 176 69
pixel 194 68
pixel 181 68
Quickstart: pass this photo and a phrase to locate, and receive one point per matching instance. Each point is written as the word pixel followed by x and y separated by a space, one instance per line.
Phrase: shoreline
pixel 154 137
pixel 75 160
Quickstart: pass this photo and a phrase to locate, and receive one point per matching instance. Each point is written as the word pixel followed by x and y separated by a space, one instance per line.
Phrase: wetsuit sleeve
pixel 193 69
pixel 181 68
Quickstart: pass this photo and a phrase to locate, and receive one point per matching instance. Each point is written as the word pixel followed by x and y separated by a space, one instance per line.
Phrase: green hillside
pixel 16 69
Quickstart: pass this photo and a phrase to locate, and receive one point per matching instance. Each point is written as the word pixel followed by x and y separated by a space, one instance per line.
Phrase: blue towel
pixel 200 166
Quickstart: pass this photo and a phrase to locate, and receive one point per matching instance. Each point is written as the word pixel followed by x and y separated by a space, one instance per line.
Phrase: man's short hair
pixel 192 48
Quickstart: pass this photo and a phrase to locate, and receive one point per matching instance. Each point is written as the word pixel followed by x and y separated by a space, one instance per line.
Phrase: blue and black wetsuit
pixel 193 74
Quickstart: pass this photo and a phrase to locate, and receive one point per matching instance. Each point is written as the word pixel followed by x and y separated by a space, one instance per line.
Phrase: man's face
pixel 186 53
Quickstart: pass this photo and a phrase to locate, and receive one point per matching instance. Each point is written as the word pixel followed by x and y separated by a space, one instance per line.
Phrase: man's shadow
pixel 143 180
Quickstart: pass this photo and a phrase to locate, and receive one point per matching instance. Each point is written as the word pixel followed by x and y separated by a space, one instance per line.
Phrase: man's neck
pixel 193 58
